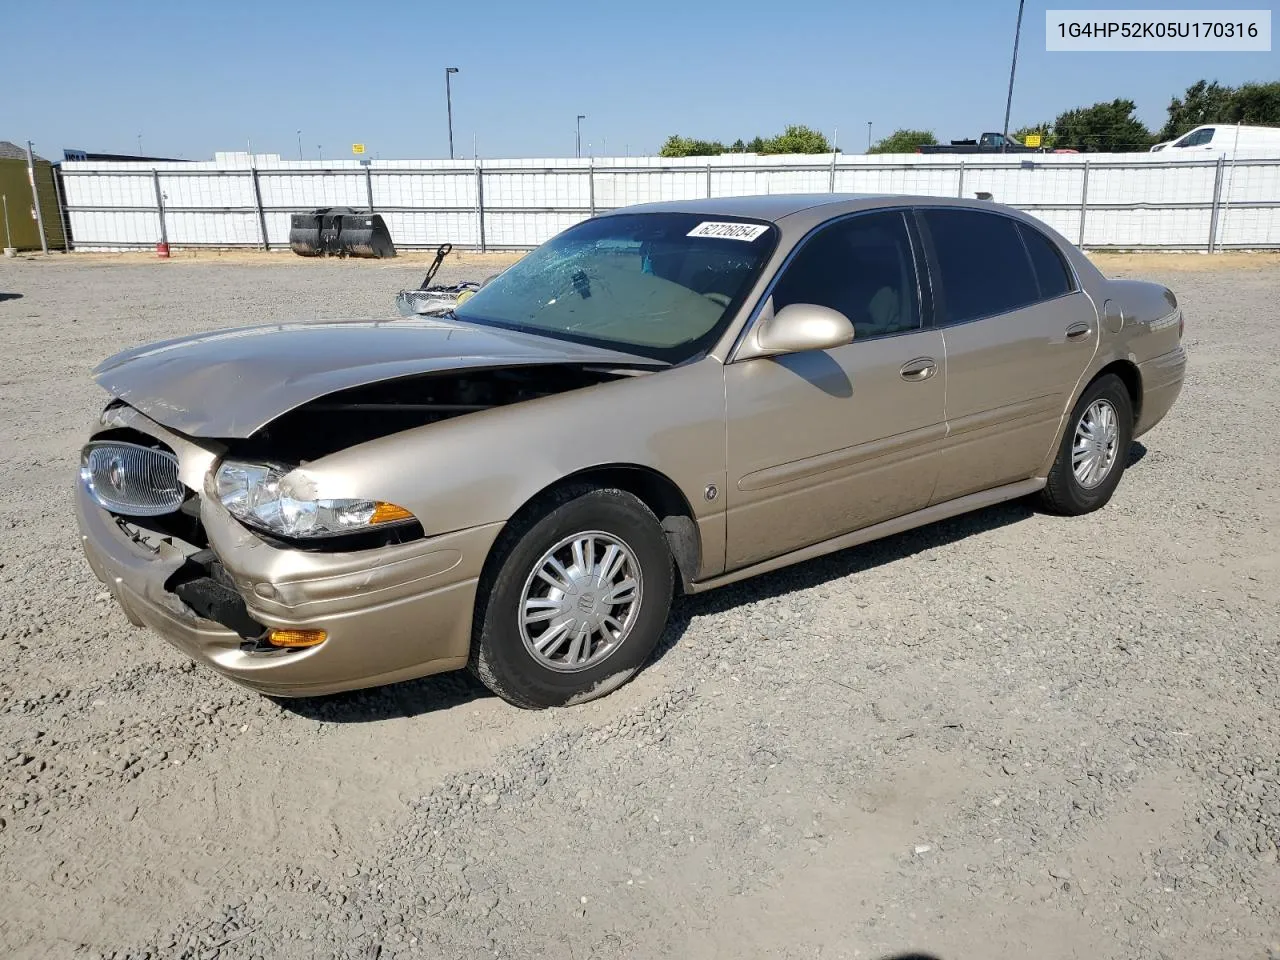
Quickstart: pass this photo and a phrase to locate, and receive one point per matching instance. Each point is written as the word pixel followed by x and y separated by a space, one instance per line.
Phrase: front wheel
pixel 1095 445
pixel 575 600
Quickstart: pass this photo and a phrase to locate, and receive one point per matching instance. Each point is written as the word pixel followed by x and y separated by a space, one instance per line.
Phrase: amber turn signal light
pixel 389 513
pixel 296 638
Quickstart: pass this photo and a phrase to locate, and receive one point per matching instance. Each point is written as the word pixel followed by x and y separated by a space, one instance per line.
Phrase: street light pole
pixel 1008 104
pixel 578 138
pixel 299 144
pixel 868 136
pixel 448 97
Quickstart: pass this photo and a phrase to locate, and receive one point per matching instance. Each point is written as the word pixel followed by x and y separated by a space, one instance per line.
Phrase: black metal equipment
pixel 365 235
pixel 340 232
pixel 331 230
pixel 304 234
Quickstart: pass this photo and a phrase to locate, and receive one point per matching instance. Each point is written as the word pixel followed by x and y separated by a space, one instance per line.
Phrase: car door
pixel 824 442
pixel 1018 335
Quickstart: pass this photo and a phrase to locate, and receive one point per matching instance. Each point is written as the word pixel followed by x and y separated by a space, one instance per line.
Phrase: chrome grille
pixel 130 479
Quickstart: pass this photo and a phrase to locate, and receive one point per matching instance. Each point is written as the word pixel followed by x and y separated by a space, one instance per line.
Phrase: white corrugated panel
pixel 427 190
pixel 430 229
pixel 524 229
pixel 1133 200
pixel 1177 228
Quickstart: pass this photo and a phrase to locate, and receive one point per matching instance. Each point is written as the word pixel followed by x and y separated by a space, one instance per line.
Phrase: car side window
pixel 1051 271
pixel 982 264
pixel 1196 139
pixel 862 266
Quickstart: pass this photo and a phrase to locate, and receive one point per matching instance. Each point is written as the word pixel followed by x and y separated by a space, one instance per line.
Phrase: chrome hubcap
pixel 1096 445
pixel 580 601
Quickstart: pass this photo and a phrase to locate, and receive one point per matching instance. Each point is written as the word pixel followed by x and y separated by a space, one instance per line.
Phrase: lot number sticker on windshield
pixel 728 231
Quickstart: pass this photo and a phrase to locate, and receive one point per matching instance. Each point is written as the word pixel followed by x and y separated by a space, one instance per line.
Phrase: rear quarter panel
pixel 1150 337
pixel 1148 326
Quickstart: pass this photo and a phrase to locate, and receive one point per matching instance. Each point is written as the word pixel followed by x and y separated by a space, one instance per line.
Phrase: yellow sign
pixel 1032 140
pixel 357 148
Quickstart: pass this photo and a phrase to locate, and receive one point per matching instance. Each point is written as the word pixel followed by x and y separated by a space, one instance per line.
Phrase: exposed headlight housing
pixel 253 494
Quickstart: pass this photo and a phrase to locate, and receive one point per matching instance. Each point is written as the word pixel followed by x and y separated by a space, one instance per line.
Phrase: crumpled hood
pixel 231 383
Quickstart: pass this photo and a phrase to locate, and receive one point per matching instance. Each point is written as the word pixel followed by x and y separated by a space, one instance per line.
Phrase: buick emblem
pixel 115 474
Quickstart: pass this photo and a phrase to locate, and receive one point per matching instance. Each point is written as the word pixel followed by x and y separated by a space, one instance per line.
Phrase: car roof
pixel 803 210
pixel 772 207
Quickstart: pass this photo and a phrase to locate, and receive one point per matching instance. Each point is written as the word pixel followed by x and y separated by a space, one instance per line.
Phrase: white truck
pixel 1227 138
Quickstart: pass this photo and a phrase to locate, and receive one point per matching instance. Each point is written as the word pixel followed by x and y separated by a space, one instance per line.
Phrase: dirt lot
pixel 1008 735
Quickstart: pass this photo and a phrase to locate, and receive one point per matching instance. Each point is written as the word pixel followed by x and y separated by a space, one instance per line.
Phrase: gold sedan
pixel 665 398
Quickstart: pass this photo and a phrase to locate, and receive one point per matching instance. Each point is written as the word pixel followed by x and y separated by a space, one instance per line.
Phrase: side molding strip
pixel 939 511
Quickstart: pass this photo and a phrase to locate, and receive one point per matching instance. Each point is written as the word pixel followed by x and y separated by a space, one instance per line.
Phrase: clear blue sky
pixel 195 77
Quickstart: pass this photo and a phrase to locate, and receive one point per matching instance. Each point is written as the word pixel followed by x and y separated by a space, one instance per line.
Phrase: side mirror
pixel 796 328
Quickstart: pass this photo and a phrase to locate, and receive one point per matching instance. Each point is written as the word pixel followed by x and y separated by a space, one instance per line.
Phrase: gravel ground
pixel 1007 735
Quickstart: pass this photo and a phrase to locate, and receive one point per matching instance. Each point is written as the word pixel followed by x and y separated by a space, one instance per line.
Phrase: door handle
pixel 921 368
pixel 1079 331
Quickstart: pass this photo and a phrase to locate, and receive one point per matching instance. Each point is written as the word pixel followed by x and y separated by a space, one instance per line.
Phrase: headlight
pixel 251 493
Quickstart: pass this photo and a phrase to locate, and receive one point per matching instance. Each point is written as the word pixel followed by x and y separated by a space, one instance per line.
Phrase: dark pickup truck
pixel 987 143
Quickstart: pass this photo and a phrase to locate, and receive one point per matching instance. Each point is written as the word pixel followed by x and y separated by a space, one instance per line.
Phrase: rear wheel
pixel 1095 445
pixel 575 600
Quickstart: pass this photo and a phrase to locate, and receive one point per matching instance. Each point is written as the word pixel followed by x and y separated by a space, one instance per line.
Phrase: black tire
pixel 1064 493
pixel 500 657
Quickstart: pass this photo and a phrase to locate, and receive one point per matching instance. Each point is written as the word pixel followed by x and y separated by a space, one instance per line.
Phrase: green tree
pixel 903 141
pixel 678 146
pixel 1102 128
pixel 797 138
pixel 1256 103
pixel 1204 102
pixel 1210 102
pixel 1047 138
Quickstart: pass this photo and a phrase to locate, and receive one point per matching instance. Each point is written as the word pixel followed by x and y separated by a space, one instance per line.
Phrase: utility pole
pixel 35 197
pixel 448 99
pixel 578 138
pixel 1008 104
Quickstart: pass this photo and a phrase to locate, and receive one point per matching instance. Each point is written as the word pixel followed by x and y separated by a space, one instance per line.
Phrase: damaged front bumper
pixel 390 613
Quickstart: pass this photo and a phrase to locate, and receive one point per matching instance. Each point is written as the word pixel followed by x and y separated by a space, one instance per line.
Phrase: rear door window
pixel 1051 272
pixel 982 265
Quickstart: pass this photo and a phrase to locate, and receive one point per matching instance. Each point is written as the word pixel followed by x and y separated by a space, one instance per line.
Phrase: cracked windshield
pixel 659 285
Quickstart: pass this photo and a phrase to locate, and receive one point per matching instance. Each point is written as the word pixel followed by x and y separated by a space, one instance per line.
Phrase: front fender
pixel 481 468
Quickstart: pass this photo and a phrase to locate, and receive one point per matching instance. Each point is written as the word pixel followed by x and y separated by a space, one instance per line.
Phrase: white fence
pixel 1125 201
